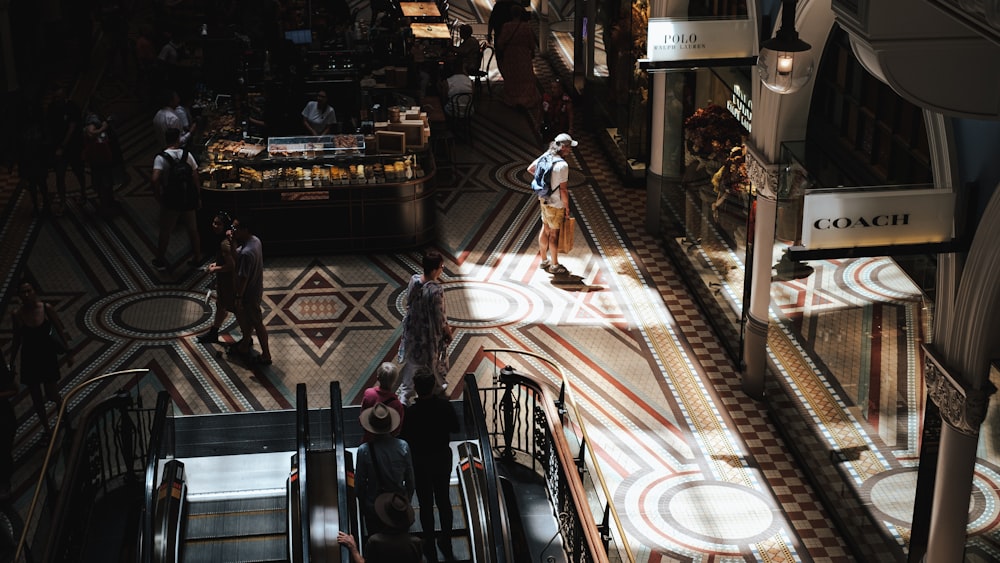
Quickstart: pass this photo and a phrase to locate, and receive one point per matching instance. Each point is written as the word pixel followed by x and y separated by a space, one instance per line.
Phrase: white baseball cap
pixel 563 138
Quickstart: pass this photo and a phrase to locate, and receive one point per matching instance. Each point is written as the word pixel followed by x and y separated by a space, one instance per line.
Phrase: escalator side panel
pixel 324 512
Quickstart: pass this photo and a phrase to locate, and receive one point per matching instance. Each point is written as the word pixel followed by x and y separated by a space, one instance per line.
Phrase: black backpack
pixel 179 190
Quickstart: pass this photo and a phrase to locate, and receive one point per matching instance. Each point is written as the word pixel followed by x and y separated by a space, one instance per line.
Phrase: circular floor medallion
pixel 152 315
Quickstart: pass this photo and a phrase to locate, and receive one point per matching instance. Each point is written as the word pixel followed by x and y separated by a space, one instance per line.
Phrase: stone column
pixel 963 410
pixel 764 177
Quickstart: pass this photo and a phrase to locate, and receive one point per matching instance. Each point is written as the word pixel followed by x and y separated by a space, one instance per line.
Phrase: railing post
pixel 605 527
pixel 581 463
pixel 508 408
pixel 561 403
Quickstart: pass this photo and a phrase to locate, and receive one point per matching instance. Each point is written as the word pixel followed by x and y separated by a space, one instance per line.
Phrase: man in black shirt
pixel 429 436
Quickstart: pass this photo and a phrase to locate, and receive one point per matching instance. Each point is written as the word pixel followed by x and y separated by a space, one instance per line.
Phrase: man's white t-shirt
pixel 319 119
pixel 159 163
pixel 560 174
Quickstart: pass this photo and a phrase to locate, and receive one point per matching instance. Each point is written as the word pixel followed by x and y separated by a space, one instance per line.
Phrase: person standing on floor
pixel 166 118
pixel 64 130
pixel 382 392
pixel 175 186
pixel 555 207
pixel 382 465
pixel 224 268
pixel 426 332
pixel 37 329
pixel 427 428
pixel 32 152
pixel 392 545
pixel 515 47
pixel 98 154
pixel 250 291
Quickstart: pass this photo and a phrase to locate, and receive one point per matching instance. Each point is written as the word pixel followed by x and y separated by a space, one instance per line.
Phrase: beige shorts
pixel 552 217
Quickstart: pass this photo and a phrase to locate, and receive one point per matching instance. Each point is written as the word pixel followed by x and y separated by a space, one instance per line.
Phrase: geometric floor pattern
pixel 696 470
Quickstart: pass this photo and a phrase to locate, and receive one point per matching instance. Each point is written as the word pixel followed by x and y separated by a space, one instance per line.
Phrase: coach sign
pixel 673 39
pixel 849 217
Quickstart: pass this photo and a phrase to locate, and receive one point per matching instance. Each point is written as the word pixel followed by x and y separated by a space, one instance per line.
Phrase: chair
pixel 484 70
pixel 460 109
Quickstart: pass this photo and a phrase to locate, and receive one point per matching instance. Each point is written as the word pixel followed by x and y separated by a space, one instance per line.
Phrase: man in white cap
pixel 383 464
pixel 394 543
pixel 555 207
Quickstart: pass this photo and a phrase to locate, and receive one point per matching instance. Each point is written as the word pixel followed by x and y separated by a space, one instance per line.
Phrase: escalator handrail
pixel 152 465
pixel 21 543
pixel 474 406
pixel 340 452
pixel 302 447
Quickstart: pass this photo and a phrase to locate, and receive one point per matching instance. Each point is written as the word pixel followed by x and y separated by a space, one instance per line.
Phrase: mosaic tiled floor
pixel 696 469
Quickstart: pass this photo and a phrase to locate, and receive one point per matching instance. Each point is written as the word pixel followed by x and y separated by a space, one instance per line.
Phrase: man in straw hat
pixel 383 464
pixel 393 544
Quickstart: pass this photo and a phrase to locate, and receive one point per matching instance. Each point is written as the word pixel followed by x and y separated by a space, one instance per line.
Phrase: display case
pixel 325 146
pixel 335 201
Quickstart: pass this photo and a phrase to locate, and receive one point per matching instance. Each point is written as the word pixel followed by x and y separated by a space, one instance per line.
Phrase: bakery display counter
pixel 358 203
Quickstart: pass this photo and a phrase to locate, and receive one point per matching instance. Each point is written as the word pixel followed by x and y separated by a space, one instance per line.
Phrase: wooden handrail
pixel 52 442
pixel 549 393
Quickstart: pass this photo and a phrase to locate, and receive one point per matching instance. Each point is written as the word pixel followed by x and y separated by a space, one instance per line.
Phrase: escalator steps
pixel 236 518
pixel 242 550
pixel 236 530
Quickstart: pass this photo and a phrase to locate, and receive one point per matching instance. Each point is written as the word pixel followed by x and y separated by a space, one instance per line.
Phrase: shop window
pixel 856 117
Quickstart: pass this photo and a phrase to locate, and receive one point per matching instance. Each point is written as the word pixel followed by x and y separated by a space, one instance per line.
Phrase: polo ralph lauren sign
pixel 857 217
pixel 677 39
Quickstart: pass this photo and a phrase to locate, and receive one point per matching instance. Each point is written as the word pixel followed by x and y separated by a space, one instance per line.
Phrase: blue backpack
pixel 541 184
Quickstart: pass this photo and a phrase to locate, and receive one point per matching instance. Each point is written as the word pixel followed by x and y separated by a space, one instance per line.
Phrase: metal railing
pixel 104 464
pixel 538 425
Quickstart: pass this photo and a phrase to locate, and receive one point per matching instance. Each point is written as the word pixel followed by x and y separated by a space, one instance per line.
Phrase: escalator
pixel 260 487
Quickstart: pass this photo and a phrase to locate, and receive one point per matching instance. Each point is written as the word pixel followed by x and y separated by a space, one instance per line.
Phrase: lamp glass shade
pixel 784 72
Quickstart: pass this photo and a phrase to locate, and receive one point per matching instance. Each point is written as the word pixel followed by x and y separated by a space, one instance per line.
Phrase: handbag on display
pixel 566 233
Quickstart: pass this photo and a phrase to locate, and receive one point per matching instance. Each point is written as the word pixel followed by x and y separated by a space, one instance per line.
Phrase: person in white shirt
pixel 167 118
pixel 457 83
pixel 555 207
pixel 318 117
pixel 173 209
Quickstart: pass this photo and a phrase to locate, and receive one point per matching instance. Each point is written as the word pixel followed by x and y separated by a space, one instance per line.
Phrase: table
pixel 430 30
pixel 420 9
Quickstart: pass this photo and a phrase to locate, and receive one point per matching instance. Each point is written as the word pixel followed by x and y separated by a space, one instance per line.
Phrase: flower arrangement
pixel 711 132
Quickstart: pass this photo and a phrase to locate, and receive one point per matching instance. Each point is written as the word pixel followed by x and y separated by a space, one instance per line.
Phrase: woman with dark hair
pixel 426 332
pixel 37 331
pixel 223 268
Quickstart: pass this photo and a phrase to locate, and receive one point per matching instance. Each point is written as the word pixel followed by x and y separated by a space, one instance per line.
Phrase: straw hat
pixel 380 419
pixel 394 510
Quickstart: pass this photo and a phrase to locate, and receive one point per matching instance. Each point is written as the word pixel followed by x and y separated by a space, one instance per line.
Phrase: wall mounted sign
pixel 678 39
pixel 858 217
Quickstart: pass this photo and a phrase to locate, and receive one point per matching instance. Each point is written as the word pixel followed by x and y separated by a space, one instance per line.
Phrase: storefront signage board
pixel 848 218
pixel 673 39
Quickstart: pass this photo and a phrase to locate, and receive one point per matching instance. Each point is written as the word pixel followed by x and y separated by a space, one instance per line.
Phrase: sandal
pixel 557 269
pixel 544 265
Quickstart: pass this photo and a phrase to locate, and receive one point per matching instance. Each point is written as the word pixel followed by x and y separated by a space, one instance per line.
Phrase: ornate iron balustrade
pixel 535 424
